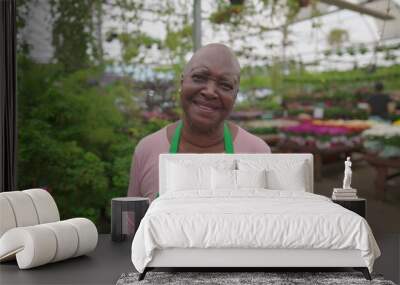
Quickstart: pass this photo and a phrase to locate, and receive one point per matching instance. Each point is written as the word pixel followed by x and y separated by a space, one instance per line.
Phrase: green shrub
pixel 74 140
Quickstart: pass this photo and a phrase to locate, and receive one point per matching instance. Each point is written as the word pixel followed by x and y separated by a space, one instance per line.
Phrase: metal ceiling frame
pixel 345 5
pixel 359 8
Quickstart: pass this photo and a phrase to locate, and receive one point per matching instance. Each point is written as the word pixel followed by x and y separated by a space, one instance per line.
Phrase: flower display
pixel 267 127
pixel 383 130
pixel 355 125
pixel 325 134
pixel 383 140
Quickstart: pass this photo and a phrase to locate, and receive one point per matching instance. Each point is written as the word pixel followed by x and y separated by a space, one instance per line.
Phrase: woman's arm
pixel 135 176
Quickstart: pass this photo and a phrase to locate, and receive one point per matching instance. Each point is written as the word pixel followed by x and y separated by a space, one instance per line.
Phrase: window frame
pixel 8 98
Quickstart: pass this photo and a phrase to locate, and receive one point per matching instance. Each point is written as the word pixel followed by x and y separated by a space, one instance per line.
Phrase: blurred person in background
pixel 380 104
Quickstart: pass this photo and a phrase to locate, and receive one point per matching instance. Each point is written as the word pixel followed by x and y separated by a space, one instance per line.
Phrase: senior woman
pixel 209 86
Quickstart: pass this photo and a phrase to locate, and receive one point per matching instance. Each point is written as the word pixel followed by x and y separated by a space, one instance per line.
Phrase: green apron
pixel 177 135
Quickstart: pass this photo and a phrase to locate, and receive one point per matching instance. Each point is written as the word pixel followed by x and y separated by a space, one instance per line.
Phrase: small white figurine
pixel 347 174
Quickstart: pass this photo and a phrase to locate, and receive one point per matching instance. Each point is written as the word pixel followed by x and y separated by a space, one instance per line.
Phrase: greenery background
pixel 78 131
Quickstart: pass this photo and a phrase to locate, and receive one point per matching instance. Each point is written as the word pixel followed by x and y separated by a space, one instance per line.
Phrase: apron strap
pixel 228 139
pixel 174 147
pixel 228 143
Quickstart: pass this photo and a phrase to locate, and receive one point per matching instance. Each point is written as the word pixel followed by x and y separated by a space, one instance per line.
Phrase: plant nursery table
pixel 339 152
pixel 382 167
pixel 271 139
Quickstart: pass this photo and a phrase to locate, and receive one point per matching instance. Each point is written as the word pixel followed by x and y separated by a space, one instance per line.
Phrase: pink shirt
pixel 143 180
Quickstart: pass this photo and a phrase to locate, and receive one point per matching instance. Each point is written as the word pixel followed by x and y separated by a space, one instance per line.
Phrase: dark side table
pixel 358 205
pixel 123 209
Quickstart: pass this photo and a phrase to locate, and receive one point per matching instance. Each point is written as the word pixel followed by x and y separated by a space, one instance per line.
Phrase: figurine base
pixel 344 190
pixel 344 194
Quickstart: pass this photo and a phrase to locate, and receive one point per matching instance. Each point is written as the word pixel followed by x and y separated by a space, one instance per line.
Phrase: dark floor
pixel 388 263
pixel 102 266
pixel 110 259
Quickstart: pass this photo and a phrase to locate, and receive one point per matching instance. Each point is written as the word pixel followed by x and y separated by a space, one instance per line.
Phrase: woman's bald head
pixel 218 54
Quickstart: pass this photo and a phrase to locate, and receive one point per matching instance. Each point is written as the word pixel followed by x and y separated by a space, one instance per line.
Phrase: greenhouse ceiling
pixel 319 37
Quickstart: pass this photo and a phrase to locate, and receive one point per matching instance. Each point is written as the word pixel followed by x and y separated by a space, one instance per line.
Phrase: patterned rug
pixel 243 278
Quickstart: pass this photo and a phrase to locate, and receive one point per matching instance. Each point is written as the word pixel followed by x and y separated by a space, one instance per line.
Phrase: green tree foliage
pixel 73 138
pixel 73 33
pixel 77 133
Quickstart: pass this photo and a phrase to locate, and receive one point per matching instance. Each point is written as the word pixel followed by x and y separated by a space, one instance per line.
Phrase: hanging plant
pixel 294 7
pixel 224 13
pixel 362 49
pixel 390 56
pixel 339 52
pixel 304 3
pixel 350 50
pixel 379 48
pixel 131 44
pixel 337 37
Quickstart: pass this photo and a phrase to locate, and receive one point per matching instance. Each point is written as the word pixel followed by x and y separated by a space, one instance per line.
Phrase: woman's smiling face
pixel 209 87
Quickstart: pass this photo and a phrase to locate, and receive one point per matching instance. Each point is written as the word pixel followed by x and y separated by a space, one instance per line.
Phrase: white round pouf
pixel 45 205
pixel 33 246
pixel 23 208
pixel 67 239
pixel 30 230
pixel 6 215
pixel 87 234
